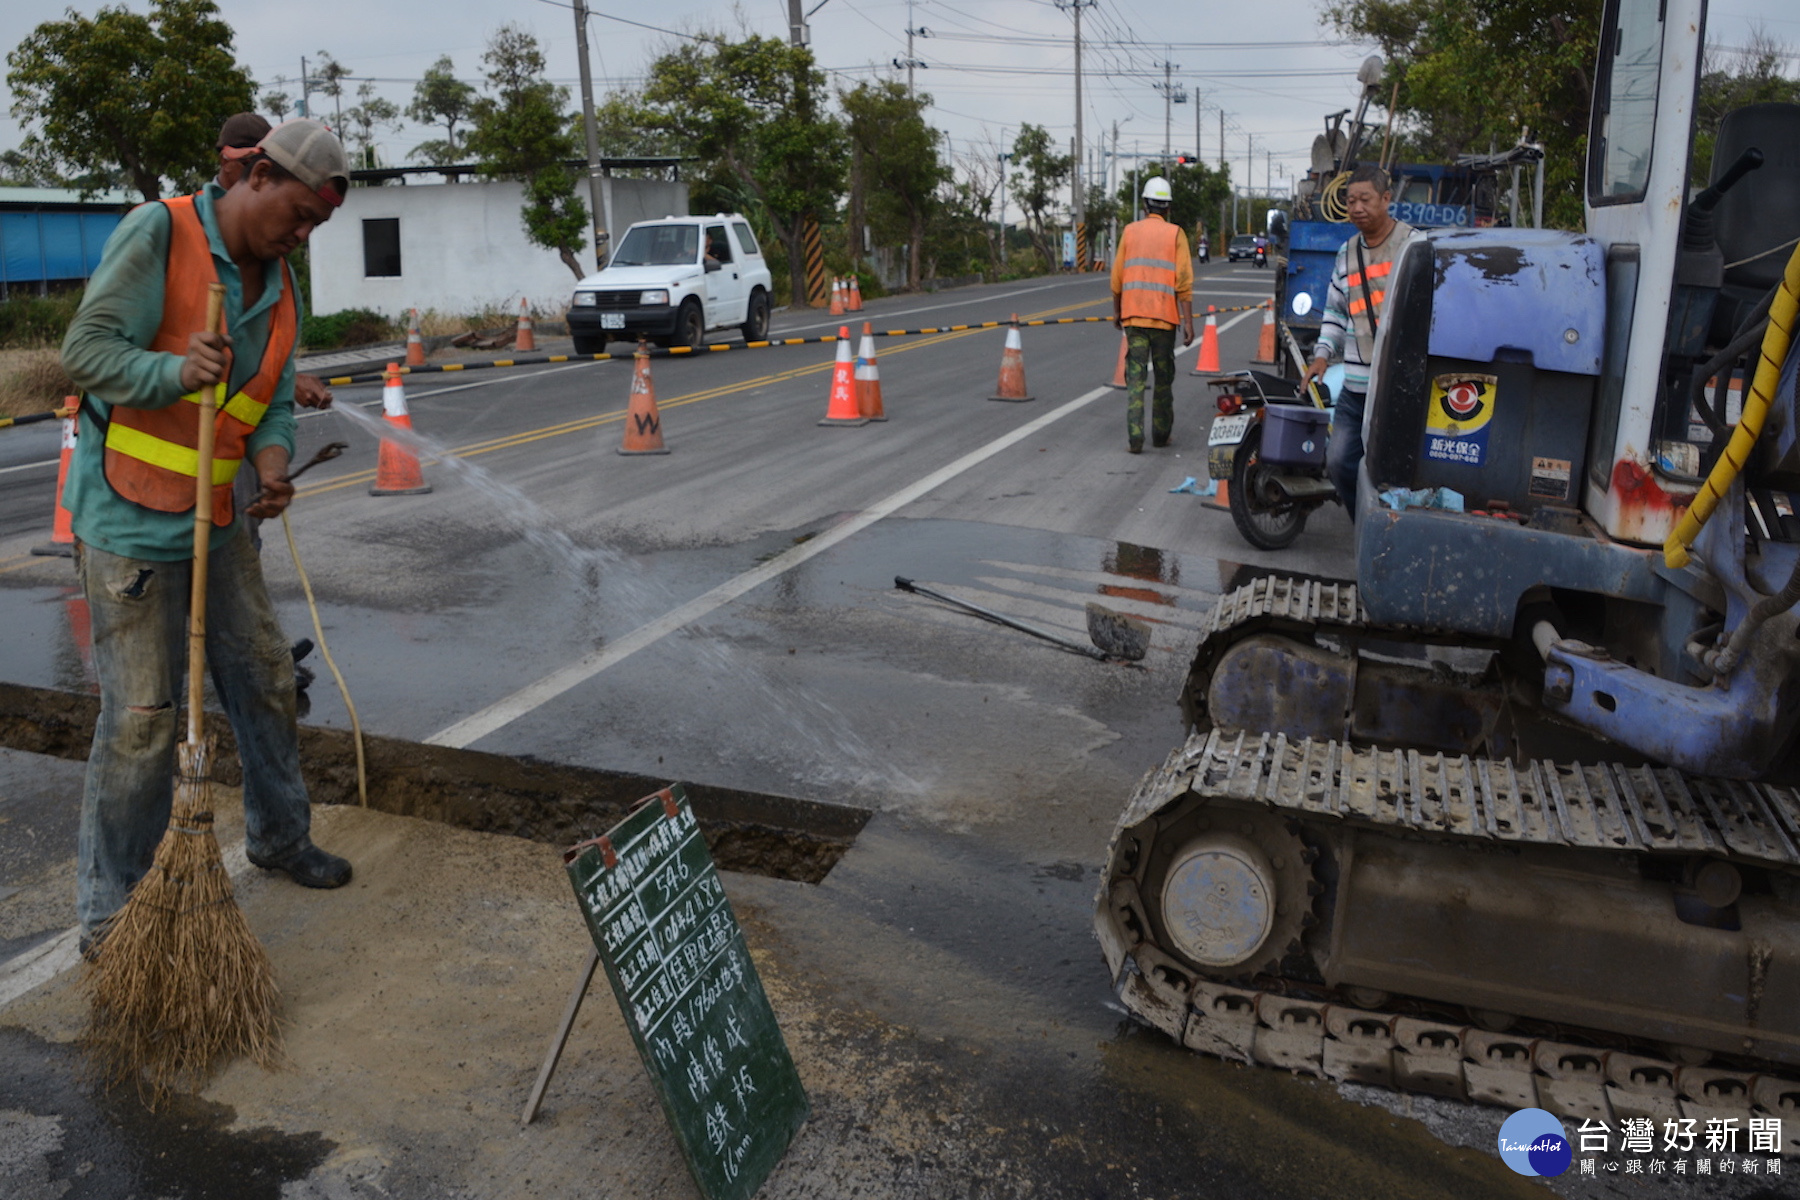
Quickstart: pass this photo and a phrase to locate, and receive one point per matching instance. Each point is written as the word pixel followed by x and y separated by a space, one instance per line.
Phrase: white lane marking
pixel 39 965
pixel 473 728
pixel 47 462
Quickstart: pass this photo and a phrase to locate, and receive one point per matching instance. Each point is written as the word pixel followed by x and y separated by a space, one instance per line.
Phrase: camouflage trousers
pixel 1147 350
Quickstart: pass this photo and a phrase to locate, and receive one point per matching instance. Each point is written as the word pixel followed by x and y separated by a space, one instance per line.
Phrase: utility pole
pixel 798 34
pixel 1221 139
pixel 1080 205
pixel 1199 154
pixel 911 61
pixel 305 89
pixel 1173 94
pixel 1003 161
pixel 599 193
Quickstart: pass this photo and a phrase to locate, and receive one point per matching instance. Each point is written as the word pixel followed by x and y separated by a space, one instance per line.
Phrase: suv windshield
pixel 658 246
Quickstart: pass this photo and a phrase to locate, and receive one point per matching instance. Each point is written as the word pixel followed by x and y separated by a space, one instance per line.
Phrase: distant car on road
pixel 1242 246
pixel 672 281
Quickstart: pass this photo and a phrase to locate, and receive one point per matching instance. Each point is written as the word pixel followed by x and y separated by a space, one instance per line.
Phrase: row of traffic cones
pixel 846 296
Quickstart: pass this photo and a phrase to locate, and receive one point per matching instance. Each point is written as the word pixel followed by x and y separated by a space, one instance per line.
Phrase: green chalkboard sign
pixel 684 980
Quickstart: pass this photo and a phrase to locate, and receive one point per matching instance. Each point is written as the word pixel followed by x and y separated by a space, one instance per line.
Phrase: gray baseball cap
pixel 311 153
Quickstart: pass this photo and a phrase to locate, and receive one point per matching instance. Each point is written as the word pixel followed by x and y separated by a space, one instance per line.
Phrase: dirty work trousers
pixel 139 612
pixel 1344 455
pixel 1149 350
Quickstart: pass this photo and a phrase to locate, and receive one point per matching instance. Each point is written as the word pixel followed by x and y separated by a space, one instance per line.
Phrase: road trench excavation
pixel 756 833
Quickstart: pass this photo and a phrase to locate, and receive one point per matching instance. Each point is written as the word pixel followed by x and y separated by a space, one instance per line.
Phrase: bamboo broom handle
pixel 210 399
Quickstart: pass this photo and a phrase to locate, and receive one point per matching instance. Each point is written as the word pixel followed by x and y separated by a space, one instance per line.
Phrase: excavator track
pixel 1299 818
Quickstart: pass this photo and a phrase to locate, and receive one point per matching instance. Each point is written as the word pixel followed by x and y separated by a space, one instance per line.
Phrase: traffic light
pixel 1186 160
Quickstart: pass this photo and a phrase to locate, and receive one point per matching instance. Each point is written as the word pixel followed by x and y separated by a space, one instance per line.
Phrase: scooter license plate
pixel 1228 431
pixel 612 320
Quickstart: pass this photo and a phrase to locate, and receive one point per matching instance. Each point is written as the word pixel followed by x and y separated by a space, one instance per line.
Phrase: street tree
pixel 521 130
pixel 19 169
pixel 1195 190
pixel 1041 173
pixel 895 157
pixel 441 99
pixel 330 75
pixel 1474 74
pixel 277 105
pixel 366 119
pixel 753 108
pixel 144 93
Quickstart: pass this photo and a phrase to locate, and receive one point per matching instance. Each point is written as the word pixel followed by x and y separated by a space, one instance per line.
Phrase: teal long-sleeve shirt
pixel 105 353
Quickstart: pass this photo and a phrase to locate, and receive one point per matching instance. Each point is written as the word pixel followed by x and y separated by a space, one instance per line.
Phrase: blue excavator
pixel 1513 817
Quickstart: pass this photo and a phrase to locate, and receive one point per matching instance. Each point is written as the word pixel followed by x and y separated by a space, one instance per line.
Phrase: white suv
pixel 673 280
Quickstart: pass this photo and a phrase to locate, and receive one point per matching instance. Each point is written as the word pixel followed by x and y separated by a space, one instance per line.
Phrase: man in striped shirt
pixel 1354 306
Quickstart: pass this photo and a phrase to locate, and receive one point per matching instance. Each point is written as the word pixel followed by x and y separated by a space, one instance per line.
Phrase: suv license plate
pixel 612 320
pixel 1228 431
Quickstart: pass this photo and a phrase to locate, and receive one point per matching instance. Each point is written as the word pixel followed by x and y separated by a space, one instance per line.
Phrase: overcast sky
pixel 1269 65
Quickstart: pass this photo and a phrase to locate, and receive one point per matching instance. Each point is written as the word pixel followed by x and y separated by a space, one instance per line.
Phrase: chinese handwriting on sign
pixel 683 976
pixel 1682 1146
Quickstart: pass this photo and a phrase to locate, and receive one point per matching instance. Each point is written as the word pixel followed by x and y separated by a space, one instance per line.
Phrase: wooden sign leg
pixel 562 1036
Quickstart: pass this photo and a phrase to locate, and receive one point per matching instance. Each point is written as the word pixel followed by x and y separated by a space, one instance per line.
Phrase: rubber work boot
pixel 308 866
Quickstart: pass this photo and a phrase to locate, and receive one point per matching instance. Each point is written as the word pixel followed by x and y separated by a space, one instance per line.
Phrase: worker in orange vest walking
pixel 1152 287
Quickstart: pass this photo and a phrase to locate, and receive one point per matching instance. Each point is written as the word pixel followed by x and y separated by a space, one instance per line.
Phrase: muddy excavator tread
pixel 1413 1045
pixel 1594 806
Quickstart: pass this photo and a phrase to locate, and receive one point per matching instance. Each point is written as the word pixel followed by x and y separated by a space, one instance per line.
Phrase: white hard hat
pixel 1156 191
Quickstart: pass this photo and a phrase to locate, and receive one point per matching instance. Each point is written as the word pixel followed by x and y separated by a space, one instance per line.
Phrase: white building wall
pixel 462 247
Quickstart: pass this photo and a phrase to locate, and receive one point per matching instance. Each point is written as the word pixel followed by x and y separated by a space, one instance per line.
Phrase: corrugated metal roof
pixel 29 197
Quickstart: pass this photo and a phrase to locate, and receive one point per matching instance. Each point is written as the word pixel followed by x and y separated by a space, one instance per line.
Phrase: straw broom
pixel 180 983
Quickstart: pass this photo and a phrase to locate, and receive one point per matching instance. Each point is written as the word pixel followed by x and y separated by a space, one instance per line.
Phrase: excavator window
pixel 1624 120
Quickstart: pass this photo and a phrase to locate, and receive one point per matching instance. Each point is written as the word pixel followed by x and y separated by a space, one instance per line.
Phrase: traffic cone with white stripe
pixel 842 408
pixel 1012 367
pixel 855 304
pixel 1208 361
pixel 415 343
pixel 868 379
pixel 837 297
pixel 1265 342
pixel 397 470
pixel 62 529
pixel 643 424
pixel 526 338
pixel 1118 379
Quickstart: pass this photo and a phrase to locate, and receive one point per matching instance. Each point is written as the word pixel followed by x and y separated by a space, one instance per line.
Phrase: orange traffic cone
pixel 1118 379
pixel 526 339
pixel 837 297
pixel 397 471
pixel 842 408
pixel 62 530
pixel 868 379
pixel 1221 498
pixel 1265 343
pixel 1012 366
pixel 1208 362
pixel 415 343
pixel 855 304
pixel 643 424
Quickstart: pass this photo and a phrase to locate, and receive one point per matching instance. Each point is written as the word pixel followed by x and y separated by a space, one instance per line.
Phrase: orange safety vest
pixel 1377 292
pixel 152 454
pixel 1147 262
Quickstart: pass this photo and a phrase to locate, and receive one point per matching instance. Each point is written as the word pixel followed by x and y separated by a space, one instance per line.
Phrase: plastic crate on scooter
pixel 1294 436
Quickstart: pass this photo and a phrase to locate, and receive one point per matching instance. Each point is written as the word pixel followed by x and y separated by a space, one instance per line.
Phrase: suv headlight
pixel 660 296
pixel 586 299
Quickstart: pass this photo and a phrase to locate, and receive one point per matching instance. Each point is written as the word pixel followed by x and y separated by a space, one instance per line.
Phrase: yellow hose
pixel 1775 343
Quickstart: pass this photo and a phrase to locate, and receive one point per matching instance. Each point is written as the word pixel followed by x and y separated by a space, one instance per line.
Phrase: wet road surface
pixel 942 987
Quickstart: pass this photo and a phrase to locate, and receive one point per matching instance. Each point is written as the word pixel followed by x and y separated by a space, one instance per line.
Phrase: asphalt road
pixel 726 614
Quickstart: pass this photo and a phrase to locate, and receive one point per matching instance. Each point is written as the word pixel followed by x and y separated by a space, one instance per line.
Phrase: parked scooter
pixel 1268 442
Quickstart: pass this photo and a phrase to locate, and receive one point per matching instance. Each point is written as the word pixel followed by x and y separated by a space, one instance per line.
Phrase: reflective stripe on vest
pixel 1147 265
pixel 151 455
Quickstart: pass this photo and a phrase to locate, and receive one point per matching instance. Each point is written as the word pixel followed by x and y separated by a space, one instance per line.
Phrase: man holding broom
pixel 140 349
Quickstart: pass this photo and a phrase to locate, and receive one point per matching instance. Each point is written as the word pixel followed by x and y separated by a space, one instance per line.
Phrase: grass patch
pixel 31 321
pixel 32 381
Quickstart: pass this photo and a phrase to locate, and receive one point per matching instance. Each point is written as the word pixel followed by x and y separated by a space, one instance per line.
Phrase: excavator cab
pixel 1510 818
